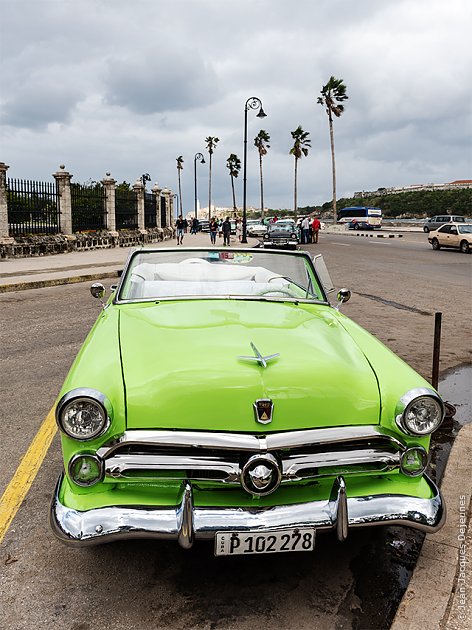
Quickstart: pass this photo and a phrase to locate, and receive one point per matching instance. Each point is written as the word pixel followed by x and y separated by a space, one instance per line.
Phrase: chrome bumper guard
pixel 186 523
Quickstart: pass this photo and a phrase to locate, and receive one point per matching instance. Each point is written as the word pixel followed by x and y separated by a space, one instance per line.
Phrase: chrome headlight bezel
pixel 90 395
pixel 405 403
pixel 82 456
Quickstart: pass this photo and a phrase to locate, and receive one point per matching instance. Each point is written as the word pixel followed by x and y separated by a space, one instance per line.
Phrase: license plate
pixel 277 541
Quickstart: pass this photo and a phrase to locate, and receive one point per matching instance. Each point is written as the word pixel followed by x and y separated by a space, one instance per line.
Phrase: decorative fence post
pixel 156 191
pixel 110 217
pixel 63 178
pixel 4 232
pixel 138 188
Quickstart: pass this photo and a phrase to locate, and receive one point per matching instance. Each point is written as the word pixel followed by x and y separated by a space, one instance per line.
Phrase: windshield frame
pixel 117 299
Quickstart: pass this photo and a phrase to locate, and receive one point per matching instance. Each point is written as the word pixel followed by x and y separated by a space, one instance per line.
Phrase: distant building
pixel 458 183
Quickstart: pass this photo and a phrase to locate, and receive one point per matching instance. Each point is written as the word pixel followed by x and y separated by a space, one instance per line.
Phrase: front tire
pixel 465 247
pixel 426 229
pixel 435 244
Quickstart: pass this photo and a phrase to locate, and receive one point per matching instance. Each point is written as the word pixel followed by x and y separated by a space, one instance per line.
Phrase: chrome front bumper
pixel 186 523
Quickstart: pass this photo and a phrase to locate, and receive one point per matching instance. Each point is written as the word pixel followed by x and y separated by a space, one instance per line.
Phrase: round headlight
pixel 293 235
pixel 83 414
pixel 413 461
pixel 420 412
pixel 266 236
pixel 86 470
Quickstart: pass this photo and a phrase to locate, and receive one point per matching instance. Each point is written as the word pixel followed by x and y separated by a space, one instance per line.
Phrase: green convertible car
pixel 221 396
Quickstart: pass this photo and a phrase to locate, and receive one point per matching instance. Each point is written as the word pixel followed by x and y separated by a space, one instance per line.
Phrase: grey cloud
pixel 35 106
pixel 161 79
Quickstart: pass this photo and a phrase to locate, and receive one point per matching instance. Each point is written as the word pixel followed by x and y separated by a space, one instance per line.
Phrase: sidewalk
pixel 17 274
pixel 439 594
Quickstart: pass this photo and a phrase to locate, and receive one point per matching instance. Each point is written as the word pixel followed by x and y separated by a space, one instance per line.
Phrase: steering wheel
pixel 282 290
pixel 278 278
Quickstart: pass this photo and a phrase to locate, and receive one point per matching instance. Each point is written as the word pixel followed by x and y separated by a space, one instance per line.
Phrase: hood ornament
pixel 259 358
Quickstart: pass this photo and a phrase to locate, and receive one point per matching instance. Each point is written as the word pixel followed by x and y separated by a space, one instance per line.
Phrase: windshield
pixel 166 274
pixel 465 229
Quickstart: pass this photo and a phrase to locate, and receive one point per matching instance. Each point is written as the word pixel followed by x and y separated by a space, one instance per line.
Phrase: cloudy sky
pixel 126 87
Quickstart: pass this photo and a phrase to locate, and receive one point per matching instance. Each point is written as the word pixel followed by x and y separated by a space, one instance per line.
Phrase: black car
pixel 282 233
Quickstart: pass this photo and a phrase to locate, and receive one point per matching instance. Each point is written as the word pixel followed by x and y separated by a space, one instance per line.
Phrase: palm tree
pixel 211 142
pixel 332 96
pixel 301 142
pixel 233 164
pixel 180 166
pixel 261 142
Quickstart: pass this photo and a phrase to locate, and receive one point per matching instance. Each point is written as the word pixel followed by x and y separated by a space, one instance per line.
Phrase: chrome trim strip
pixel 247 442
pixel 123 522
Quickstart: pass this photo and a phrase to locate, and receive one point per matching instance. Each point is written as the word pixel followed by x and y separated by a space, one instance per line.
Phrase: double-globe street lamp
pixel 198 157
pixel 251 103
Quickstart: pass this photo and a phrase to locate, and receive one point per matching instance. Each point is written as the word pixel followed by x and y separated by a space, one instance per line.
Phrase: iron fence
pixel 150 210
pixel 126 210
pixel 88 207
pixel 33 207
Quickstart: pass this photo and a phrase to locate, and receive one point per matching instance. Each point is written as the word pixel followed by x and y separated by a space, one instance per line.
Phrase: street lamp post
pixel 251 103
pixel 201 159
pixel 176 211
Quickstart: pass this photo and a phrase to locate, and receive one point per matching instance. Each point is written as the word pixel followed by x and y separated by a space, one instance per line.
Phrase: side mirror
pixel 97 290
pixel 344 295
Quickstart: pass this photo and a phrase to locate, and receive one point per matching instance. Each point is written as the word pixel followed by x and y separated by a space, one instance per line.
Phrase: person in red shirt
pixel 316 228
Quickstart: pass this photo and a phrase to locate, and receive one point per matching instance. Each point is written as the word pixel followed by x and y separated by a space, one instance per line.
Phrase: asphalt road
pixel 158 585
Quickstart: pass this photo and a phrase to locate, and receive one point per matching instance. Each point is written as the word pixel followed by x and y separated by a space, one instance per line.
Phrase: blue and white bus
pixel 361 217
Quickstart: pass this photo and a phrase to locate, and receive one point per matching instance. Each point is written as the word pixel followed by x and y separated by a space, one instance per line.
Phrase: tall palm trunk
pixel 295 190
pixel 234 196
pixel 262 187
pixel 333 166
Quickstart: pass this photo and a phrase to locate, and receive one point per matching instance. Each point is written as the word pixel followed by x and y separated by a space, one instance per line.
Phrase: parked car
pixel 204 225
pixel 282 233
pixel 435 222
pixel 256 228
pixel 221 396
pixel 458 235
pixel 359 224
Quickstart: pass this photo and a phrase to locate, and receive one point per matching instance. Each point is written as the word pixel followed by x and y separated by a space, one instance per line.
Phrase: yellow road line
pixel 26 472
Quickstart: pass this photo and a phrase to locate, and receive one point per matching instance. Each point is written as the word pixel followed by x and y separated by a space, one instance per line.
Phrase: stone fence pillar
pixel 4 232
pixel 156 191
pixel 63 178
pixel 109 185
pixel 139 189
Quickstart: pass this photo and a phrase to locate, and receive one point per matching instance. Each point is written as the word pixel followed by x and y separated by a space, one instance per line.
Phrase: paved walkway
pixel 78 266
pixel 439 594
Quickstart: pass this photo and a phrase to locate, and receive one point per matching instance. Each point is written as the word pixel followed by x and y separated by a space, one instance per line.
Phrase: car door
pixel 443 235
pixel 454 239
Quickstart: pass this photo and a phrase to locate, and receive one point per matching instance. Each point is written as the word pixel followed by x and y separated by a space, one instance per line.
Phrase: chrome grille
pixel 220 457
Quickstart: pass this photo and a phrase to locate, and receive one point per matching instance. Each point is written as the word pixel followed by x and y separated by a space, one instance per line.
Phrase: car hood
pixel 182 367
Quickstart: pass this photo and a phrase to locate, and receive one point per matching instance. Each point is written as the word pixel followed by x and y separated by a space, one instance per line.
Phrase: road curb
pixel 436 596
pixel 53 282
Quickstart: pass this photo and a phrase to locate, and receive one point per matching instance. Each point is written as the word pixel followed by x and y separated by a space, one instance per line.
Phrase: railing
pixel 150 210
pixel 88 207
pixel 33 208
pixel 126 210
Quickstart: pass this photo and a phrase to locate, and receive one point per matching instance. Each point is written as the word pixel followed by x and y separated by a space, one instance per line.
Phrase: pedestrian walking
pixel 195 225
pixel 316 225
pixel 239 229
pixel 213 230
pixel 180 226
pixel 226 227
